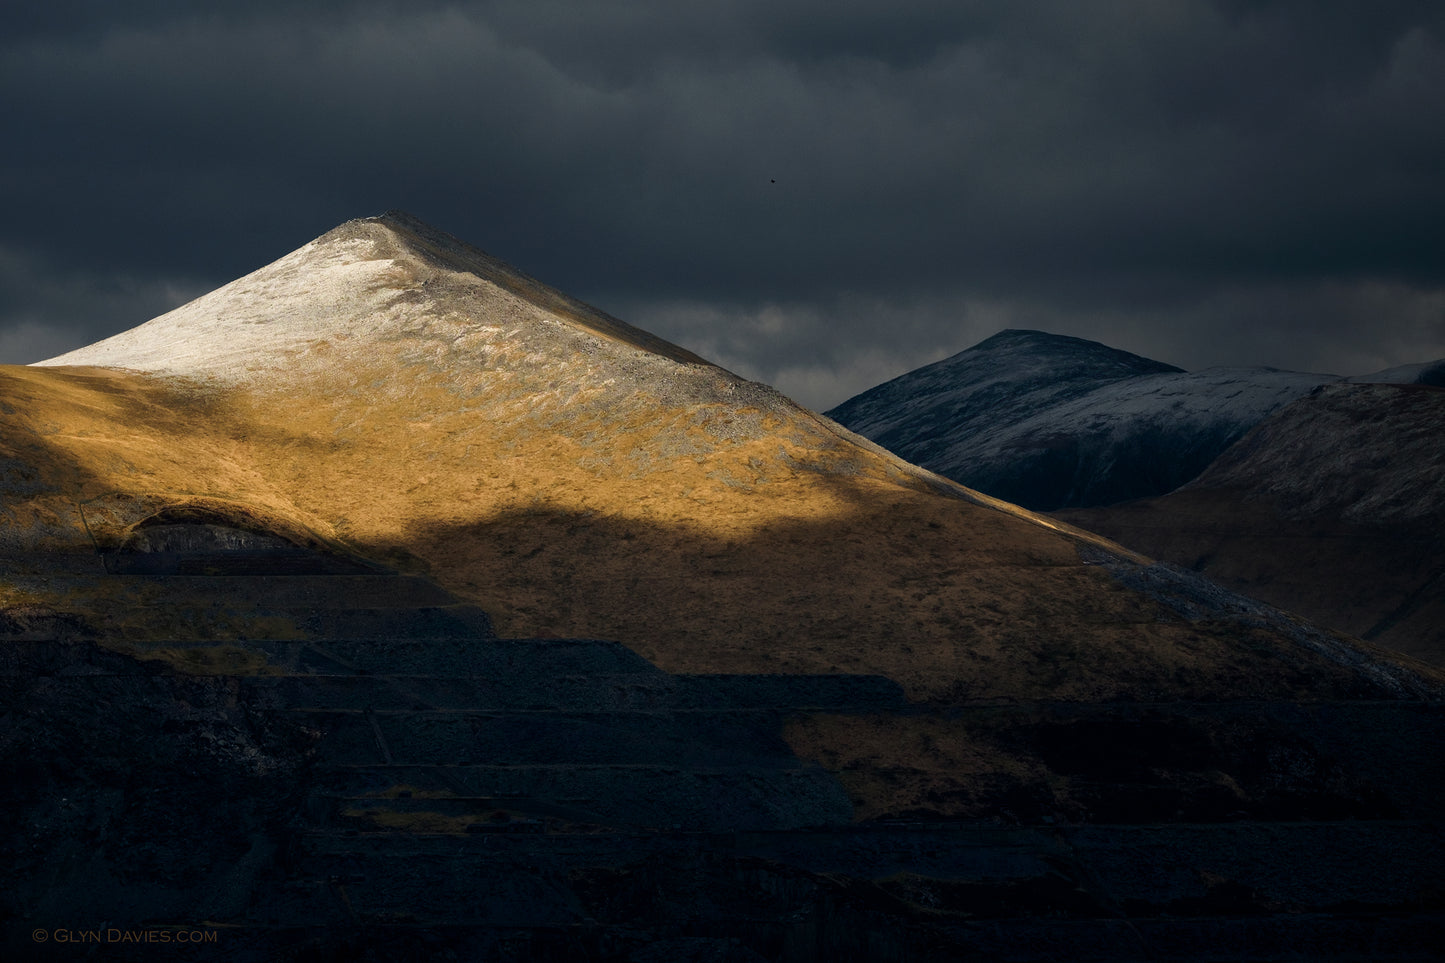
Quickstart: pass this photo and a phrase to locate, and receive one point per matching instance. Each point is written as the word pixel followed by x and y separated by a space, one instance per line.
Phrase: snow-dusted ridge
pixel 1425 373
pixel 232 330
pixel 1049 421
pixel 367 281
pixel 408 397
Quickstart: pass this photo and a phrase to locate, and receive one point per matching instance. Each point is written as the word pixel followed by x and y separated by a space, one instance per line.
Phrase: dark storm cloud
pixel 48 312
pixel 817 194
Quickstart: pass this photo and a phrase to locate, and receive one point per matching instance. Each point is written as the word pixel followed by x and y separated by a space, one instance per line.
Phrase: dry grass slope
pixel 390 391
pixel 707 538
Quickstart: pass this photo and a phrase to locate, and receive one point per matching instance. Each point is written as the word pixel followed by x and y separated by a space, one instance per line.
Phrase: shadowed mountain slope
pixel 339 762
pixel 1049 421
pixel 1333 507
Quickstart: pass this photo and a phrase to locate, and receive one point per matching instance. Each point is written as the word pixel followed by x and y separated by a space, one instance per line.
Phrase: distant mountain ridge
pixel 1049 421
pixel 1431 373
pixel 1322 495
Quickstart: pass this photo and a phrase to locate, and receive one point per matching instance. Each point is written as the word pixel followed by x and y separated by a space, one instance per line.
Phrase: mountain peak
pixel 401 317
pixel 1033 335
pixel 1109 361
pixel 1048 420
pixel 391 284
pixel 454 253
pixel 1017 362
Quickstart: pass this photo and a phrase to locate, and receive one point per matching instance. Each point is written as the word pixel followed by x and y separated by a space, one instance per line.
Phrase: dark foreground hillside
pixel 354 766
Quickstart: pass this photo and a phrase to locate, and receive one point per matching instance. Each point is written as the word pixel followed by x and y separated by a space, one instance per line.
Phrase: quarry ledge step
pixel 1046 708
pixel 661 768
pixel 987 832
pixel 590 715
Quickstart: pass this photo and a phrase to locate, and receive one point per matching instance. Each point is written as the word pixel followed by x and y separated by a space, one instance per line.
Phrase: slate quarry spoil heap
pixel 387 604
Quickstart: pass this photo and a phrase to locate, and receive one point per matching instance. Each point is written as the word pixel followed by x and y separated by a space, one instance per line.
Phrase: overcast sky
pixel 819 194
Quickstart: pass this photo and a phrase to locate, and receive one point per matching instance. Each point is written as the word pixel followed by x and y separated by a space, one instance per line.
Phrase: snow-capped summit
pixel 1048 421
pixel 1009 375
pixel 390 280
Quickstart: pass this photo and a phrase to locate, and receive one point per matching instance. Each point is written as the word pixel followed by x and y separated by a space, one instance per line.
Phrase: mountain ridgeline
pixel 1048 421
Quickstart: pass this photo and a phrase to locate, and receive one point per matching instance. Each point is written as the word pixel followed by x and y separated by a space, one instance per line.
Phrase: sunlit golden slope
pixel 390 391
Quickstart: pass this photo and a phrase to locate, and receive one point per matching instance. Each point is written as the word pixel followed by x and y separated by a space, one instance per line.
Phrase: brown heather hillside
pixel 392 391
pixel 741 554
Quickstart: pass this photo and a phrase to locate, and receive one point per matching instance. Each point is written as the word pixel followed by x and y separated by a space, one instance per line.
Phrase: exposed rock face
pixel 510 631
pixel 1049 422
pixel 1333 508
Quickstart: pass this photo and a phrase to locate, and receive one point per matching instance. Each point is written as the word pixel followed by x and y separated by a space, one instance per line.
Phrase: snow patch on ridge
pixel 322 291
pixel 379 290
